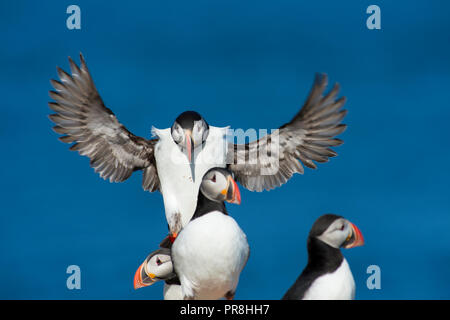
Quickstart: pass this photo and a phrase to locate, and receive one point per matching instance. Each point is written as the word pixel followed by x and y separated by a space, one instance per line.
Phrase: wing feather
pixel 306 139
pixel 81 117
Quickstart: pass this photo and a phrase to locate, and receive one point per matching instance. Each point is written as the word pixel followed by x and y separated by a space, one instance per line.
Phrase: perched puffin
pixel 211 250
pixel 175 161
pixel 327 275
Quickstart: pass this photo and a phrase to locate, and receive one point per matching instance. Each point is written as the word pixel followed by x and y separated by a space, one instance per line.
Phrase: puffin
pixel 175 159
pixel 327 276
pixel 157 267
pixel 210 252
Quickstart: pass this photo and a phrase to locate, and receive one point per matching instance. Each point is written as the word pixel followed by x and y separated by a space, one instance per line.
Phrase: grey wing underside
pixel 81 116
pixel 272 160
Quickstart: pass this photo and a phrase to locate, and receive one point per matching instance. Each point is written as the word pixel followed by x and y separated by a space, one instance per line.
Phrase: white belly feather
pixel 179 180
pixel 338 285
pixel 172 292
pixel 209 255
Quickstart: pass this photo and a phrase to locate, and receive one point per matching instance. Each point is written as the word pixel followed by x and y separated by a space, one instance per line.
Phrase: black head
pixel 336 231
pixel 217 187
pixel 322 223
pixel 187 119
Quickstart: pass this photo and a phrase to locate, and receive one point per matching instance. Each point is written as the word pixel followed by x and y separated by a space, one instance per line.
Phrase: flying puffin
pixel 327 275
pixel 211 250
pixel 177 158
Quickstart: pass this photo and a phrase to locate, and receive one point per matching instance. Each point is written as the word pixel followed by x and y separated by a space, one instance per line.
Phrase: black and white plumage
pixel 181 169
pixel 116 153
pixel 175 161
pixel 211 250
pixel 327 275
pixel 82 117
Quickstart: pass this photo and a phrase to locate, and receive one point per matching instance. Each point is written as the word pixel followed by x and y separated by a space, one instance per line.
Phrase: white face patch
pixel 177 133
pixel 336 234
pixel 199 132
pixel 213 184
pixel 160 265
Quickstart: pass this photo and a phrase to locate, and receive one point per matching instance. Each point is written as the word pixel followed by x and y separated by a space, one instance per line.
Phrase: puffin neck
pixel 322 259
pixel 205 205
pixel 322 256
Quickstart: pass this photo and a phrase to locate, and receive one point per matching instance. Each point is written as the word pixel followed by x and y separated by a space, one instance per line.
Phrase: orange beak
pixel 141 279
pixel 189 145
pixel 355 237
pixel 138 283
pixel 233 195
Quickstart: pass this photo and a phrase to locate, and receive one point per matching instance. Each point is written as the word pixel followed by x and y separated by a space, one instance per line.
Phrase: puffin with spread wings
pixel 176 159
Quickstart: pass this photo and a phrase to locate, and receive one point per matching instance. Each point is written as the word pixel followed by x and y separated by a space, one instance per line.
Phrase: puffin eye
pixel 158 261
pixel 213 179
pixel 342 228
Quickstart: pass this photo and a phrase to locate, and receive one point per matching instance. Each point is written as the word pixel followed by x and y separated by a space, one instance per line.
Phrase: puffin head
pixel 157 266
pixel 218 185
pixel 337 232
pixel 189 131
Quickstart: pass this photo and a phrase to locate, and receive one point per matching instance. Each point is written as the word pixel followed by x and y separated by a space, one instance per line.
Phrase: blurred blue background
pixel 248 65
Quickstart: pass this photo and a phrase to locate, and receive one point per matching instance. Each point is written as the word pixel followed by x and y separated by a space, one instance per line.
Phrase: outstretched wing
pixel 272 160
pixel 82 118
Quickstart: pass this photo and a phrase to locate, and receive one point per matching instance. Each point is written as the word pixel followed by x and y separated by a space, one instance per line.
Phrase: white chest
pixel 172 292
pixel 338 285
pixel 209 255
pixel 179 179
